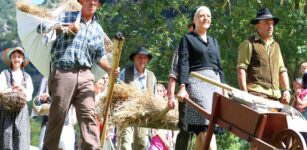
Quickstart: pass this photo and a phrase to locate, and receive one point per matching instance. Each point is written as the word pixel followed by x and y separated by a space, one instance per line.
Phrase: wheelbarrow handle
pixel 197 108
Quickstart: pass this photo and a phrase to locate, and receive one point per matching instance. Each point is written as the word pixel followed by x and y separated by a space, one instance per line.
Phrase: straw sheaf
pixel 132 107
pixel 46 13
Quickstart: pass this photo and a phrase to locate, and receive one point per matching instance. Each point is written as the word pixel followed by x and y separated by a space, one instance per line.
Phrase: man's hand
pixel 74 27
pixel 115 72
pixel 285 97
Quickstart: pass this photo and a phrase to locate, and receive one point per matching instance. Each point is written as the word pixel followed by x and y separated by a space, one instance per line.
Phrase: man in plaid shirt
pixel 79 44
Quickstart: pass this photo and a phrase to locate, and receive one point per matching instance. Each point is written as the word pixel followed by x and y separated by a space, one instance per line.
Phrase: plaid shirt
pixel 80 50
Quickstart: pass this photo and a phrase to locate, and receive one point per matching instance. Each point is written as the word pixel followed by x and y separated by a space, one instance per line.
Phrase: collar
pixel 95 17
pixel 136 73
pixel 199 38
pixel 269 42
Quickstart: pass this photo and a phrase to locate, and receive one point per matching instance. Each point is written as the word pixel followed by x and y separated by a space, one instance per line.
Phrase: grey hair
pixel 198 9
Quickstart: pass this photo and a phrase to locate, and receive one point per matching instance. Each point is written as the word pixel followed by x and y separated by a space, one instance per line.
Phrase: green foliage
pixel 159 25
pixel 231 142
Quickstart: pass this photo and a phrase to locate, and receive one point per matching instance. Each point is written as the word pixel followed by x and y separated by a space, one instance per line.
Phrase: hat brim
pixel 133 54
pixel 6 56
pixel 256 20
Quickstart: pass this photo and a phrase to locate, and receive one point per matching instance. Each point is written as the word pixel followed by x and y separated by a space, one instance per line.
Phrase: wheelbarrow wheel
pixel 290 140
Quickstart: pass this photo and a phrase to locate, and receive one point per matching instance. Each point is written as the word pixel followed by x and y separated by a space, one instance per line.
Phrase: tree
pixel 159 26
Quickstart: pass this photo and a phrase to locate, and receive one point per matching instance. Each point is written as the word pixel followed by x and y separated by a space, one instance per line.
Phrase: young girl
pixel 300 96
pixel 15 126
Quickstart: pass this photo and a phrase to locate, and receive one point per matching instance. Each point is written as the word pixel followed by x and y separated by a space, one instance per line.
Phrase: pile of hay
pixel 132 107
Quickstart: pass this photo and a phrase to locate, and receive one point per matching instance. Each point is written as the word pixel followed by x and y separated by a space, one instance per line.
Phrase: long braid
pixel 11 77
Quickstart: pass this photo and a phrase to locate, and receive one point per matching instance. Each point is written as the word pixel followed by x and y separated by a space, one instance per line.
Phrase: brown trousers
pixel 75 87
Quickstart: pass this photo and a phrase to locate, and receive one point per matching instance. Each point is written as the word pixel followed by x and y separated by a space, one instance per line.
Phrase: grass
pixel 35 131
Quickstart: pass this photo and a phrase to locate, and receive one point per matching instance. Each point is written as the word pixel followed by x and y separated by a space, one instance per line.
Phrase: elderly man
pixel 79 44
pixel 261 70
pixel 135 137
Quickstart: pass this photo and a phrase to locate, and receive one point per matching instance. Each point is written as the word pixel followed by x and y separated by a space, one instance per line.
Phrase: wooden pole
pixel 116 53
pixel 203 78
pixel 242 94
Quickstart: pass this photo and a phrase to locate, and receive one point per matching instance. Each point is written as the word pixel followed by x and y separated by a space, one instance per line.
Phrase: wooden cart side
pixel 276 123
pixel 229 115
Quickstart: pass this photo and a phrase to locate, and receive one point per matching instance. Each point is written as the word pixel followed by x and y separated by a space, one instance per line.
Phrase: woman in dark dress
pixel 199 53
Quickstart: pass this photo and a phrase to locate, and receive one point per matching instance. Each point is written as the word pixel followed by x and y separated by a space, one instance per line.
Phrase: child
pixel 300 97
pixel 300 89
pixel 15 126
pixel 303 97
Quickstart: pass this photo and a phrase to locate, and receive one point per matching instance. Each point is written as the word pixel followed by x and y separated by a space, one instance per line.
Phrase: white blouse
pixel 18 77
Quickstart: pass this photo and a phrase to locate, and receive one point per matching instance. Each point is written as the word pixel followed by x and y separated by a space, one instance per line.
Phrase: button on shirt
pixel 80 50
pixel 139 80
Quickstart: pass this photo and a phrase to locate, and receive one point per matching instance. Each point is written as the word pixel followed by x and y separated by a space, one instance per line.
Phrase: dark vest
pixel 129 77
pixel 264 67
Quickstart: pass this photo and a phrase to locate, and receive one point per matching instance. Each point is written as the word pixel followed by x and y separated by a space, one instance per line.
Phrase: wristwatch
pixel 290 91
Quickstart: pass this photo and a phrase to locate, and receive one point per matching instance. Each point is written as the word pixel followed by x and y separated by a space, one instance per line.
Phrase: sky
pixel 38 1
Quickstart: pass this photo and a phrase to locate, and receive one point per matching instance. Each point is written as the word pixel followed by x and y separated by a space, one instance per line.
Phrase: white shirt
pixel 18 77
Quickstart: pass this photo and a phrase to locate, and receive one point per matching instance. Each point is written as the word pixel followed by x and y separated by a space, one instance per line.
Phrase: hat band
pixel 265 16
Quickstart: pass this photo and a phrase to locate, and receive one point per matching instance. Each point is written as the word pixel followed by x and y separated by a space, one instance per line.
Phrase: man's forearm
pixel 104 64
pixel 242 79
pixel 284 80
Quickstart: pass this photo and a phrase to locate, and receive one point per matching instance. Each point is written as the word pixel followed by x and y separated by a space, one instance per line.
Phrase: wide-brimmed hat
pixel 141 50
pixel 7 53
pixel 262 14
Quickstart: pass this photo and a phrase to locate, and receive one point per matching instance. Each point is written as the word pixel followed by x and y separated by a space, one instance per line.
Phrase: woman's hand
pixel 182 93
pixel 171 102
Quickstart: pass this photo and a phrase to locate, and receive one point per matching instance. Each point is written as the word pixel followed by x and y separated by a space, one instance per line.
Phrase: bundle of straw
pixel 132 107
pixel 48 13
pixel 52 13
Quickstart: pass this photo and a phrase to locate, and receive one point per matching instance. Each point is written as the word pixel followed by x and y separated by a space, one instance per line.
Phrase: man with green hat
pixel 261 70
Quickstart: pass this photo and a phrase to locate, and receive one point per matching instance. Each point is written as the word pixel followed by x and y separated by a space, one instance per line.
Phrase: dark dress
pixel 203 58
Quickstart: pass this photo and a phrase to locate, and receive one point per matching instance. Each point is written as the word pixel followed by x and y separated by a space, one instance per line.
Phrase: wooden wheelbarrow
pixel 268 130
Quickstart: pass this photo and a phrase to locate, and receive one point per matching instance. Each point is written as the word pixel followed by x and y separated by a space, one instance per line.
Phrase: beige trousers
pixel 134 138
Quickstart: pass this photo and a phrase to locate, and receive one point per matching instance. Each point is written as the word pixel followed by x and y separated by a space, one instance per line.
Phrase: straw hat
pixel 7 53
